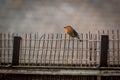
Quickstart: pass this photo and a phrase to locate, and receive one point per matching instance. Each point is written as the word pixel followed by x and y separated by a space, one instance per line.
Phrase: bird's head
pixel 67 27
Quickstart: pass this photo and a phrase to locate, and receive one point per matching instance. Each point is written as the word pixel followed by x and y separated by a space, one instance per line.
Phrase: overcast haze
pixel 50 16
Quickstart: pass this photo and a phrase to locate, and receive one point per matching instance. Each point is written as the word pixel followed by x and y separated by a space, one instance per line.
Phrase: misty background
pixel 50 16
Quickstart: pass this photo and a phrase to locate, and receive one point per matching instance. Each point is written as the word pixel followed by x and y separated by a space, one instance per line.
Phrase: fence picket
pixel 82 50
pixel 25 49
pixel 34 47
pixel 72 56
pixel 1 49
pixel 118 46
pixel 87 49
pixel 95 50
pixel 68 50
pixel 41 54
pixel 46 52
pixel 4 54
pixel 51 47
pixel 37 54
pixel 64 51
pixel 90 48
pixel 113 48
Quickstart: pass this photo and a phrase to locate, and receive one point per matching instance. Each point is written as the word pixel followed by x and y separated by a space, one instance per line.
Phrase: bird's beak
pixel 64 27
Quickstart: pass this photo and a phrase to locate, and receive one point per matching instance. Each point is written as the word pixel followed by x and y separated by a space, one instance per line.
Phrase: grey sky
pixel 50 16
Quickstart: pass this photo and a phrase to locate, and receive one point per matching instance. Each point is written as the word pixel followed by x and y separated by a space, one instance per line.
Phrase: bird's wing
pixel 75 33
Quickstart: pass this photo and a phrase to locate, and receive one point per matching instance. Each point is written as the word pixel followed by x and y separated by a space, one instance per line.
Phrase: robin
pixel 70 31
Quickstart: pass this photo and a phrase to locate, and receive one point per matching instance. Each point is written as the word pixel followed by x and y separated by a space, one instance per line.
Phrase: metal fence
pixel 59 50
pixel 59 57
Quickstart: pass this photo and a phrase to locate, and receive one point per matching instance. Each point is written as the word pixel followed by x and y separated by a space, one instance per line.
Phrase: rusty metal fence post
pixel 16 50
pixel 104 50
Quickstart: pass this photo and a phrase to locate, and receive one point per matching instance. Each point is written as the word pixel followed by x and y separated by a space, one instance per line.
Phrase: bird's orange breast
pixel 68 30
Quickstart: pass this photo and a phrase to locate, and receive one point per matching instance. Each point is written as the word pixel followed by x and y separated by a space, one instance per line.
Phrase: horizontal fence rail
pixel 59 50
pixel 54 77
pixel 48 77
